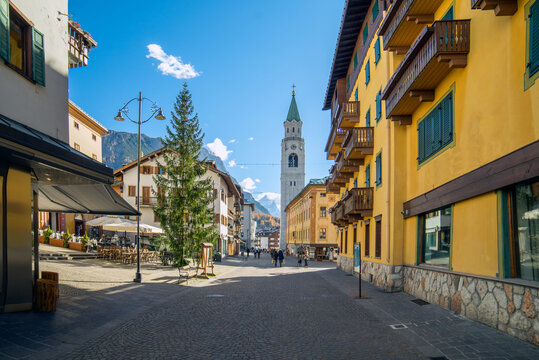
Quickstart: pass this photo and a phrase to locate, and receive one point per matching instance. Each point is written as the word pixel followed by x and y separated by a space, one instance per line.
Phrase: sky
pixel 239 59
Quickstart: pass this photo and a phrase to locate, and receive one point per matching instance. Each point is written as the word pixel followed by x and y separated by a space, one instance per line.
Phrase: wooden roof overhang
pixel 352 19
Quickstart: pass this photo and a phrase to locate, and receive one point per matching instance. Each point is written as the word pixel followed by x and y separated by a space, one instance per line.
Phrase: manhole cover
pixel 398 326
pixel 214 296
pixel 420 302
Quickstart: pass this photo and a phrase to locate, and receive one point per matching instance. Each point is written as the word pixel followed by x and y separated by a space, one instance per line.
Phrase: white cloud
pixel 248 184
pixel 231 163
pixel 243 167
pixel 257 180
pixel 170 64
pixel 233 141
pixel 219 149
pixel 251 138
pixel 275 197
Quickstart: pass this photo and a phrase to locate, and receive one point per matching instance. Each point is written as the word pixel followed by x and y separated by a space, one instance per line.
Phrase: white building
pixel 292 163
pixel 226 206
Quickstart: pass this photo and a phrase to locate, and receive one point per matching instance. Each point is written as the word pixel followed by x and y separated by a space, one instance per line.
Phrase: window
pixel 322 233
pixel 287 130
pixel 76 146
pixel 94 156
pixel 365 33
pixel 368 175
pixel 378 106
pixel 342 235
pixel 293 129
pixel 368 118
pixel 323 211
pixel 367 238
pixel 533 38
pixel 348 83
pixel 377 51
pixel 378 239
pixel 355 60
pixel 346 241
pixel 21 45
pixel 292 160
pixel 94 138
pixel 356 95
pixel 435 131
pixel 155 218
pixel 322 194
pixel 131 190
pixel 375 11
pixel 146 170
pixel 379 169
pixel 435 237
pixel 76 125
pixel 367 72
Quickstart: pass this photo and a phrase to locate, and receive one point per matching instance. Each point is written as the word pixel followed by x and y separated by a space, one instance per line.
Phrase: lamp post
pixel 158 114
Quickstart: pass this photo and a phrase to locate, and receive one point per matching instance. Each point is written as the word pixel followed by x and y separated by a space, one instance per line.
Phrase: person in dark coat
pixel 275 257
pixel 248 250
pixel 280 255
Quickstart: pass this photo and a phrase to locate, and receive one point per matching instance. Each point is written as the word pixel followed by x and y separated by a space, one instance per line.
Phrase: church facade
pixel 292 163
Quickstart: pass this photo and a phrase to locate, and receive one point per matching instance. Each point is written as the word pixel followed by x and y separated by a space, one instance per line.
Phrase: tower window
pixel 293 129
pixel 293 160
pixel 287 130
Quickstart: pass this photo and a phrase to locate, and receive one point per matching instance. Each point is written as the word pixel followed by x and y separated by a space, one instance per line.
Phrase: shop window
pixel 525 231
pixel 367 238
pixel 435 131
pixel 131 190
pixel 323 211
pixel 378 239
pixel 322 233
pixel 435 237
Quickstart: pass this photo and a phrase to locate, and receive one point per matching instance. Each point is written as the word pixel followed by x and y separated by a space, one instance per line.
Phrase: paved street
pixel 251 310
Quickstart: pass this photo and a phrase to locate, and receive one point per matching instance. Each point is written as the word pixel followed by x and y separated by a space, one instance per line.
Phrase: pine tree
pixel 183 197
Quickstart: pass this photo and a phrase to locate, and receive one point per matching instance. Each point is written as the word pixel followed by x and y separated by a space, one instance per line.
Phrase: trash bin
pixel 46 295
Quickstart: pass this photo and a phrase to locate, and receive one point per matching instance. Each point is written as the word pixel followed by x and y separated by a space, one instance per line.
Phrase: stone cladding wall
pixel 508 307
pixel 387 277
pixel 346 264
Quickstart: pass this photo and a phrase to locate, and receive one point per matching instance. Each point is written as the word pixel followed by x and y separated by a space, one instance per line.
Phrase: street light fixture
pixel 158 114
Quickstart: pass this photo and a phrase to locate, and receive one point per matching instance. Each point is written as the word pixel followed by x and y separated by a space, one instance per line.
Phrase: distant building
pixel 247 233
pixel 309 228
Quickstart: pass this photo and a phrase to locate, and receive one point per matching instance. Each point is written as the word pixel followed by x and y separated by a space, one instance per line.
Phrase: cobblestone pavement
pixel 250 311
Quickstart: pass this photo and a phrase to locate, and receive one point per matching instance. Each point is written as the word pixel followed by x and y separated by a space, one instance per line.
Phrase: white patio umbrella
pixel 105 220
pixel 120 224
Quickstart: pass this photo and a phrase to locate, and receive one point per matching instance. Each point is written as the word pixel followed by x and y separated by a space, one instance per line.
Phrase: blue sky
pixel 246 53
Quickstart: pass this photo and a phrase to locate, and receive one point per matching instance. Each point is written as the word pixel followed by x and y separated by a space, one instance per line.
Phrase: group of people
pixel 256 252
pixel 277 256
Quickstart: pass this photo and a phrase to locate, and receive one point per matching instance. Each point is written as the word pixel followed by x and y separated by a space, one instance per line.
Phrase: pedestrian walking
pixel 305 258
pixel 280 255
pixel 299 260
pixel 275 257
pixel 248 252
pixel 258 253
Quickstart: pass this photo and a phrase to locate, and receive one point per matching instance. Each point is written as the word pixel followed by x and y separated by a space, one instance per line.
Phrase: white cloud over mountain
pixel 248 184
pixel 219 149
pixel 270 197
pixel 231 163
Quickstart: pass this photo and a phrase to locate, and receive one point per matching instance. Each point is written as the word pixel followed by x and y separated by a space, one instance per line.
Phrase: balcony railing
pixel 146 200
pixel 358 143
pixel 80 44
pixel 358 203
pixel 500 7
pixel 438 50
pixel 348 115
pixel 337 214
pixel 333 146
pixel 338 178
pixel 404 22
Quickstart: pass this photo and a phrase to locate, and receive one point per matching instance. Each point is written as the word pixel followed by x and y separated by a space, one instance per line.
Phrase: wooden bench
pixel 187 272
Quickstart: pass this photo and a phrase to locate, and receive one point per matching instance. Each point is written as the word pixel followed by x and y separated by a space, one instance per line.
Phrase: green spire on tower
pixel 293 113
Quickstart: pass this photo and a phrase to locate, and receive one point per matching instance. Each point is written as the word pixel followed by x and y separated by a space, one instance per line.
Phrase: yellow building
pixel 308 224
pixel 434 129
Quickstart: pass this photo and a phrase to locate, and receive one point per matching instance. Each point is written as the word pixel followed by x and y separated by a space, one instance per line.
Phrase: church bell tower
pixel 292 162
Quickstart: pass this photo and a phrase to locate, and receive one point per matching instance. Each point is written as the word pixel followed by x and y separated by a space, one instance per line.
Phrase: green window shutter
pixel 375 11
pixel 368 118
pixel 378 106
pixel 378 169
pixel 428 135
pixel 355 182
pixel 356 95
pixel 4 29
pixel 437 128
pixel 377 51
pixel 534 38
pixel 38 57
pixel 368 176
pixel 421 142
pixel 348 83
pixel 365 33
pixel 447 120
pixel 367 72
pixel 448 15
pixel 355 60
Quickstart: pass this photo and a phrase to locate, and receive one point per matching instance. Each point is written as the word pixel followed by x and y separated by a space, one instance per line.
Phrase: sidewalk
pixel 436 332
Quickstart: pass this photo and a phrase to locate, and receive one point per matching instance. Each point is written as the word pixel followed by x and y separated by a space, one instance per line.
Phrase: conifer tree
pixel 184 199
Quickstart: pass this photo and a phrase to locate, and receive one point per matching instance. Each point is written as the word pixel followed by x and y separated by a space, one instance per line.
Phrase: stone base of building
pixel 505 306
pixel 387 277
pixel 346 264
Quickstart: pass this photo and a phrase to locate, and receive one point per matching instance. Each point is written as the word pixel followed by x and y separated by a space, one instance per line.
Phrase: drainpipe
pixel 388 187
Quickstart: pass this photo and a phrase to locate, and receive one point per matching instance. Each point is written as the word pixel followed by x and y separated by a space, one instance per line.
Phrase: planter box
pixel 56 242
pixel 41 239
pixel 75 246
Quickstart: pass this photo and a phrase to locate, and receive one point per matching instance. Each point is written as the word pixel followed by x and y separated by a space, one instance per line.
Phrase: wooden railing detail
pixel 80 43
pixel 357 139
pixel 358 200
pixel 450 37
pixel 400 11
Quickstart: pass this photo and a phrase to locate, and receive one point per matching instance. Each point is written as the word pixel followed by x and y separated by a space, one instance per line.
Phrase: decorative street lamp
pixel 158 114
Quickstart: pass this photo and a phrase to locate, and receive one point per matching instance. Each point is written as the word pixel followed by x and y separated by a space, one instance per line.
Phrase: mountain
pixel 120 148
pixel 265 221
pixel 270 203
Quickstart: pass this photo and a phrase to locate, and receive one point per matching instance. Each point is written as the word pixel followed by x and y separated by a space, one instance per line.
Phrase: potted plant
pixel 66 237
pixel 47 235
pixel 85 240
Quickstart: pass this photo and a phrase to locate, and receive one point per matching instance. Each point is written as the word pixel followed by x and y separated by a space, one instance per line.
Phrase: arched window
pixel 293 160
pixel 293 129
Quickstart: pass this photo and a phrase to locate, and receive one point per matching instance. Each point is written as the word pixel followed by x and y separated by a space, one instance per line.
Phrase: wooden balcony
pixel 500 7
pixel 146 201
pixel 439 49
pixel 347 115
pixel 404 22
pixel 334 143
pixel 338 178
pixel 358 203
pixel 80 44
pixel 337 214
pixel 358 143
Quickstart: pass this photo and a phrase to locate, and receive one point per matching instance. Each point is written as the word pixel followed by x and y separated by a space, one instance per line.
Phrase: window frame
pixel 530 75
pixel 131 190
